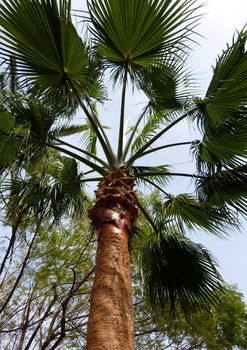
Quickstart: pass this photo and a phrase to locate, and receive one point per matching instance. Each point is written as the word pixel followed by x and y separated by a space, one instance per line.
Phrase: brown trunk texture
pixel 110 324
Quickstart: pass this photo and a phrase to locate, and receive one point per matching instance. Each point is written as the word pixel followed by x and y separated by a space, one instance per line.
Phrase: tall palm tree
pixel 143 44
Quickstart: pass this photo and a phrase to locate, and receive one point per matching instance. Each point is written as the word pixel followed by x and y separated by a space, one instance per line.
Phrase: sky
pixel 221 19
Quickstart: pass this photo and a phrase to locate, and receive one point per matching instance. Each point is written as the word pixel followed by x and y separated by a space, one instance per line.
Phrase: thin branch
pixel 46 314
pixel 22 269
pixel 154 330
pixel 25 321
pixel 10 246
pixel 74 288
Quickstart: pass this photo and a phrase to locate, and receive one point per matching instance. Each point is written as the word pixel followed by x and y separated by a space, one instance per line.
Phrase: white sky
pixel 221 19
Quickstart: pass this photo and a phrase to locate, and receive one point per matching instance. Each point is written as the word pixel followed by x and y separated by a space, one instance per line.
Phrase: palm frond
pixel 7 121
pixel 224 145
pixel 167 85
pixel 13 139
pixel 178 271
pixel 47 48
pixel 67 130
pixel 170 123
pixel 51 188
pixel 188 213
pixel 137 32
pixel 149 130
pixel 225 187
pixel 226 95
pixel 206 161
pixel 89 140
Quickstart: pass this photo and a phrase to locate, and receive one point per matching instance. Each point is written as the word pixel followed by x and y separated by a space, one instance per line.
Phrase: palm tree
pixel 143 44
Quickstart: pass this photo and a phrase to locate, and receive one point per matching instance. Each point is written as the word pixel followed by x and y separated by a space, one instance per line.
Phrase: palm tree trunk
pixel 110 324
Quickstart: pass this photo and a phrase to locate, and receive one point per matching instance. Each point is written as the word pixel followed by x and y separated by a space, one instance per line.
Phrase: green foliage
pixel 50 188
pixel 224 327
pixel 226 186
pixel 188 213
pixel 56 280
pixel 46 44
pixel 175 268
pixel 7 122
pixel 137 33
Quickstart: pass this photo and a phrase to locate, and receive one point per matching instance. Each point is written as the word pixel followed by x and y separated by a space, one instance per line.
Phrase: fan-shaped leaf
pixel 226 94
pixel 138 32
pixel 188 213
pixel 177 270
pixel 47 48
pixel 225 187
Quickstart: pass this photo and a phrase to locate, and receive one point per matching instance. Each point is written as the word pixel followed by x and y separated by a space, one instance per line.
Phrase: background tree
pixel 142 43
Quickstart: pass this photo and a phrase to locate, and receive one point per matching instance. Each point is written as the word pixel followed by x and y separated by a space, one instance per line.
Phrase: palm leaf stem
pixel 92 179
pixel 89 172
pixel 169 174
pixel 101 128
pixel 188 175
pixel 166 146
pixel 89 154
pixel 85 161
pixel 139 153
pixel 98 131
pixel 147 216
pixel 121 123
pixel 93 120
pixel 128 144
pixel 156 186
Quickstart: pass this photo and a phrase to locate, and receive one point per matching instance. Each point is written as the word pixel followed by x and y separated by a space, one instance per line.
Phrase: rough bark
pixel 110 325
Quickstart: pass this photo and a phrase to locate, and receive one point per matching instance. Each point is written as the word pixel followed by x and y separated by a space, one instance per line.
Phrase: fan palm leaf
pixel 45 44
pixel 176 270
pixel 137 33
pixel 225 187
pixel 226 96
pixel 52 187
pixel 188 213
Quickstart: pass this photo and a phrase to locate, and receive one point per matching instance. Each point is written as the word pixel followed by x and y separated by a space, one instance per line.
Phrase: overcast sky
pixel 217 26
